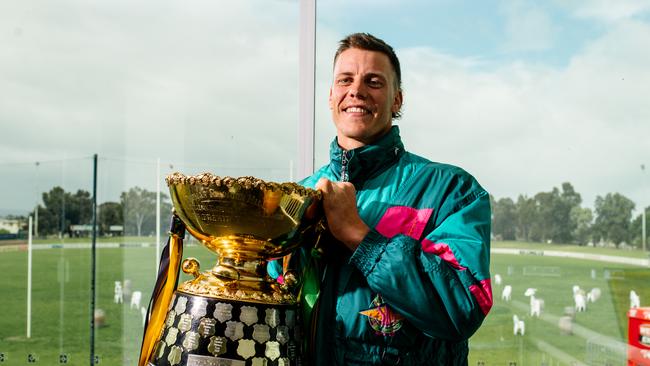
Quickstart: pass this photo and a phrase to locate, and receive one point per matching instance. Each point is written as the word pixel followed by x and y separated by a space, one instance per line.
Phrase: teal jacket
pixel 418 285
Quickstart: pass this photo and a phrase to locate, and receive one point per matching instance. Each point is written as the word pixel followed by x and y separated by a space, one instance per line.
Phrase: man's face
pixel 363 97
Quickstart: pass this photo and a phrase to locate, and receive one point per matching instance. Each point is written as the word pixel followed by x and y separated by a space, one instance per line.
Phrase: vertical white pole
pixel 61 277
pixel 643 227
pixel 291 170
pixel 37 202
pixel 643 213
pixel 306 85
pixel 29 278
pixel 157 216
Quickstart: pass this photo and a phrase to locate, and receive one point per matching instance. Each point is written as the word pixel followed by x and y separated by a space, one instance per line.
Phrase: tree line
pixel 134 214
pixel 557 216
pixel 554 216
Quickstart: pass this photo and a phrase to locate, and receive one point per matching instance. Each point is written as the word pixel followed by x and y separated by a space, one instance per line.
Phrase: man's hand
pixel 340 205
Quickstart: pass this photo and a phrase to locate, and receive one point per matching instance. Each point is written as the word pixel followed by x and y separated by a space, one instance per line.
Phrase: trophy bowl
pixel 246 221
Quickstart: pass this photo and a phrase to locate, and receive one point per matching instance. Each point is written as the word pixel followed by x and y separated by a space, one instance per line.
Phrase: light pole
pixel 643 228
pixel 37 202
pixel 157 258
pixel 643 214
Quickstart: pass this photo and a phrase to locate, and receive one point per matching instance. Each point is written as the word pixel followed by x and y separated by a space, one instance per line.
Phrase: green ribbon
pixel 310 293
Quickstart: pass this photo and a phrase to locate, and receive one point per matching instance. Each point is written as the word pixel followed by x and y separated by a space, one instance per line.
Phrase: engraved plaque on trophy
pixel 232 313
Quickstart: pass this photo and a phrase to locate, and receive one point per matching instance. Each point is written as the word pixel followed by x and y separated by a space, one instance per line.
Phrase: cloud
pixel 607 11
pixel 205 86
pixel 528 27
pixel 524 128
pixel 120 70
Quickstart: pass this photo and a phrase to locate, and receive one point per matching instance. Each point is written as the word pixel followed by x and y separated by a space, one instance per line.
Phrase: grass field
pixel 61 297
pixel 601 326
pixel 60 324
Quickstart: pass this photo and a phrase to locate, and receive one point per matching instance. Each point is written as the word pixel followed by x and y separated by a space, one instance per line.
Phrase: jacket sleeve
pixel 440 281
pixel 274 269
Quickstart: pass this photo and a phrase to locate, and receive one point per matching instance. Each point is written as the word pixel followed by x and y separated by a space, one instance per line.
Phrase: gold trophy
pixel 232 314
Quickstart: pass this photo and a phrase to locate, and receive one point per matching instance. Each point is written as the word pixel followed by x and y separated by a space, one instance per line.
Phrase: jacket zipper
pixel 344 167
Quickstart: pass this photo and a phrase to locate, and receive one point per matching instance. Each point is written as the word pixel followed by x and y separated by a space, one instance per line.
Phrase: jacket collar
pixel 360 164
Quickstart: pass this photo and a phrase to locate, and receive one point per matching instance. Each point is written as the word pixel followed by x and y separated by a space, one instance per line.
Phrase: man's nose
pixel 358 89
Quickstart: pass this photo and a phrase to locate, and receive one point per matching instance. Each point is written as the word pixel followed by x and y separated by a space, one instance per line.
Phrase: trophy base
pixel 264 292
pixel 235 281
pixel 206 331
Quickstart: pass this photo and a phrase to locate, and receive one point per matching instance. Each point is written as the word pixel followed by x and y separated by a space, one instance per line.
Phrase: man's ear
pixel 329 99
pixel 397 102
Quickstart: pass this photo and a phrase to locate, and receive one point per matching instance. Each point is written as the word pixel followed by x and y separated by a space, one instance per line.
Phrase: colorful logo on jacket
pixel 384 320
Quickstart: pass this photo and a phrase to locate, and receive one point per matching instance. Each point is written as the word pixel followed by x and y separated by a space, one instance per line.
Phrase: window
pixel 150 88
pixel 526 97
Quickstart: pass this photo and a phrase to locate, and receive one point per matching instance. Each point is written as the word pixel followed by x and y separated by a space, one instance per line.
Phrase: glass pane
pixel 46 303
pixel 527 97
pixel 151 88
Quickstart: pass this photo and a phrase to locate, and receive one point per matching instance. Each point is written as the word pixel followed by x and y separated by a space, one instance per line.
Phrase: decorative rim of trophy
pixel 246 221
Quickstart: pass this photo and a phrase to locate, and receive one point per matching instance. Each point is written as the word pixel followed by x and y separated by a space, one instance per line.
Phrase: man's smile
pixel 357 110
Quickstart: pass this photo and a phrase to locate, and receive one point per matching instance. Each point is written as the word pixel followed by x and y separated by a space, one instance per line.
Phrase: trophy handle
pixel 224 273
pixel 191 266
pixel 164 289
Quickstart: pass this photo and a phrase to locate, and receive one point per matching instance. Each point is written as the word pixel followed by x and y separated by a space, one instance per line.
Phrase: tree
pixel 570 203
pixel 61 209
pixel 613 218
pixel 109 214
pixel 545 205
pixel 582 219
pixel 526 217
pixel 139 210
pixel 51 216
pixel 504 218
pixel 569 196
pixel 138 204
pixel 80 208
pixel 553 221
pixel 636 228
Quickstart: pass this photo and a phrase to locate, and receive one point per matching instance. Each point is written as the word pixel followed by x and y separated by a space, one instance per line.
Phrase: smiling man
pixel 404 276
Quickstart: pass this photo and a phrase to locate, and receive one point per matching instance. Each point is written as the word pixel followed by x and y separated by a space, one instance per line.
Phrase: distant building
pixel 80 230
pixel 10 225
pixel 86 230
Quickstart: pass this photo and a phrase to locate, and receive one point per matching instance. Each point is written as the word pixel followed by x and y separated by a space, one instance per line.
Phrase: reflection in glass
pixel 151 89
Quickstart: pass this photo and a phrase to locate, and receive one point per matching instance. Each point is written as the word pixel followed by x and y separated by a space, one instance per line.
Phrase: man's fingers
pixel 324 185
pixel 348 186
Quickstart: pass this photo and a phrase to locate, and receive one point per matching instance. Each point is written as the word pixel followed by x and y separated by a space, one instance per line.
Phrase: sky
pixel 525 95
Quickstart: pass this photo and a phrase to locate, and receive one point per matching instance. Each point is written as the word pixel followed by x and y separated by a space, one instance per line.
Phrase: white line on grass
pixel 557 253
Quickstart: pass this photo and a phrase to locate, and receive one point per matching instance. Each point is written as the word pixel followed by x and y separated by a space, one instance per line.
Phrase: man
pixel 404 278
